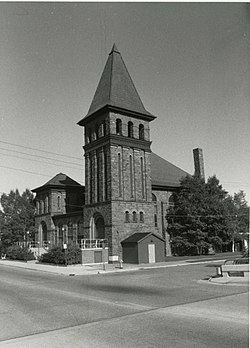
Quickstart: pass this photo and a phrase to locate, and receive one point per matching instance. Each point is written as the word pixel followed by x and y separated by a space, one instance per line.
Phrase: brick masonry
pixel 118 179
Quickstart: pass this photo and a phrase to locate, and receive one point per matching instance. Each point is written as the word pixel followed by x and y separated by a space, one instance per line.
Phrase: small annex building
pixel 143 248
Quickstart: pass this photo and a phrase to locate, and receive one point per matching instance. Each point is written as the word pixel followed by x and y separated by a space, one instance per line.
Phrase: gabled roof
pixel 60 180
pixel 139 237
pixel 116 89
pixel 164 173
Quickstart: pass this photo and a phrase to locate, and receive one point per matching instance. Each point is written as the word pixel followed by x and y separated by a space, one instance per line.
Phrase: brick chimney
pixel 198 163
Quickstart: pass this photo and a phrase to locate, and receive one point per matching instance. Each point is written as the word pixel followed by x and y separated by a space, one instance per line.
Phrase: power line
pixel 49 158
pixel 33 160
pixel 36 149
pixel 26 171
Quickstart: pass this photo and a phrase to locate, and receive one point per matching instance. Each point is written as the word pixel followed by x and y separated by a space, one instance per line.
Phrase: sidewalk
pixel 77 270
pixel 72 270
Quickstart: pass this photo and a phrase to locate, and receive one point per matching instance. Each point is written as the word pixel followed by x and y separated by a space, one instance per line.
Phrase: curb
pixel 77 272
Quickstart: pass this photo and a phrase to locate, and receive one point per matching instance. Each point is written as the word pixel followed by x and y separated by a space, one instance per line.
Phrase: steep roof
pixel 60 180
pixel 164 173
pixel 116 89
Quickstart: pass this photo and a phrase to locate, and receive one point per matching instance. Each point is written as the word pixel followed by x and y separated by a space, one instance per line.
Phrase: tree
pixel 238 218
pixel 201 216
pixel 17 217
pixel 186 218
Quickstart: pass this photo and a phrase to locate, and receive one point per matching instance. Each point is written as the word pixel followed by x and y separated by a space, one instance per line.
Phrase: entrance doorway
pixel 100 228
pixel 97 227
pixel 151 253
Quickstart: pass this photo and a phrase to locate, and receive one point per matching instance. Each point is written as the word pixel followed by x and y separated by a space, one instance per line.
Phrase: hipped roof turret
pixel 116 91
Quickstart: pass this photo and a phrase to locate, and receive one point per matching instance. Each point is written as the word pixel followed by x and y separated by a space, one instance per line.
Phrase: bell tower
pixel 117 150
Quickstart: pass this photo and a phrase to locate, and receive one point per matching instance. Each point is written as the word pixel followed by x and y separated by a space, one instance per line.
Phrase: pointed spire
pixel 114 49
pixel 116 90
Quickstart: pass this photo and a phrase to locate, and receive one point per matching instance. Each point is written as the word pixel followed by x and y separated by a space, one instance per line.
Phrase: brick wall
pixel 160 209
pixel 118 178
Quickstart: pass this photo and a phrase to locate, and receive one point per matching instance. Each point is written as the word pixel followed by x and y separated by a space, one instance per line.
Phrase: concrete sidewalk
pixel 100 268
pixel 230 280
pixel 77 270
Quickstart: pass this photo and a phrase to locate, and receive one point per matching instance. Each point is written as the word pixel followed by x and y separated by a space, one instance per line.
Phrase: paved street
pixel 166 307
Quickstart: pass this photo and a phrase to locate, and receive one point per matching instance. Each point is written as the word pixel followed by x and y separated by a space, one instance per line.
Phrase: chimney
pixel 198 163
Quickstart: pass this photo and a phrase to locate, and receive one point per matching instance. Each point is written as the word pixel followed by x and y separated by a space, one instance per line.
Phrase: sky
pixel 188 61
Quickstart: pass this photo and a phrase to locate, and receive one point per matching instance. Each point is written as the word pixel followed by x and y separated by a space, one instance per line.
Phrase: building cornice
pixel 118 140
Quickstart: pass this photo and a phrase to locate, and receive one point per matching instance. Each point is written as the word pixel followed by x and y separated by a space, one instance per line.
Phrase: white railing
pixel 93 243
pixel 33 244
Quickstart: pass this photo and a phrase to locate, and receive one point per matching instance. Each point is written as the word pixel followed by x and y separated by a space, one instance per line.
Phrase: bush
pixel 73 255
pixel 16 252
pixel 57 255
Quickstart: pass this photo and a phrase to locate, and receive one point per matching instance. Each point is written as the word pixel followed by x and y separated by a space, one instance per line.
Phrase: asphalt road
pixel 167 307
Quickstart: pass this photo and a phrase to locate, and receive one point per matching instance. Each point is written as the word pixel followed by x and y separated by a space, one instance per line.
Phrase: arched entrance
pixel 97 227
pixel 100 228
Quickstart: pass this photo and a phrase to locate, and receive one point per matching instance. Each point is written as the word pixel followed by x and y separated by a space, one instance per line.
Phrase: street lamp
pixel 65 253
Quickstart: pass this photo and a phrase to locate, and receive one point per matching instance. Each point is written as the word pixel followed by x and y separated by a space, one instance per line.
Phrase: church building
pixel 127 187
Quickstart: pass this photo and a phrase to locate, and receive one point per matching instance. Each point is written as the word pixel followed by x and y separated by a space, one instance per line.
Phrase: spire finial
pixel 114 49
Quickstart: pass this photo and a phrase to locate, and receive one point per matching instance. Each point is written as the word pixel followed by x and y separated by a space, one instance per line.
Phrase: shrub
pixel 16 252
pixel 57 255
pixel 73 254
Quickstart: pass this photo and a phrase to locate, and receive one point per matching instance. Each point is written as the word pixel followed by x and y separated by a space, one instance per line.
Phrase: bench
pixel 235 270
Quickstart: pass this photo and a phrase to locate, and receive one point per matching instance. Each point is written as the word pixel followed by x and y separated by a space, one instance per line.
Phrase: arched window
pixel 89 135
pixel 120 174
pixel 155 209
pixel 96 132
pixel 37 208
pixel 46 205
pixel 131 176
pixel 99 228
pixel 141 216
pixel 155 218
pixel 58 202
pixel 42 207
pixel 119 126
pixel 142 179
pixel 99 177
pixel 105 175
pixel 126 216
pixel 130 129
pixel 141 132
pixel 134 216
pixel 104 128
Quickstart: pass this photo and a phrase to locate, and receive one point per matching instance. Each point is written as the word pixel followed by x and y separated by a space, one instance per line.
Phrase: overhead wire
pixel 40 150
pixel 48 158
pixel 25 171
pixel 33 160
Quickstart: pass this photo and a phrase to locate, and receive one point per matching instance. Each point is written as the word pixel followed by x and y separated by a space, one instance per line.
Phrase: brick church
pixel 127 187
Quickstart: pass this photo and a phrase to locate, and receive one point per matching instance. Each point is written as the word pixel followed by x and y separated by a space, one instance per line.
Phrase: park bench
pixel 235 270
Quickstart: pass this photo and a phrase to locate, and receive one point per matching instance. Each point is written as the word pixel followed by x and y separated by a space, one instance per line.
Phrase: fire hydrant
pixel 121 264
